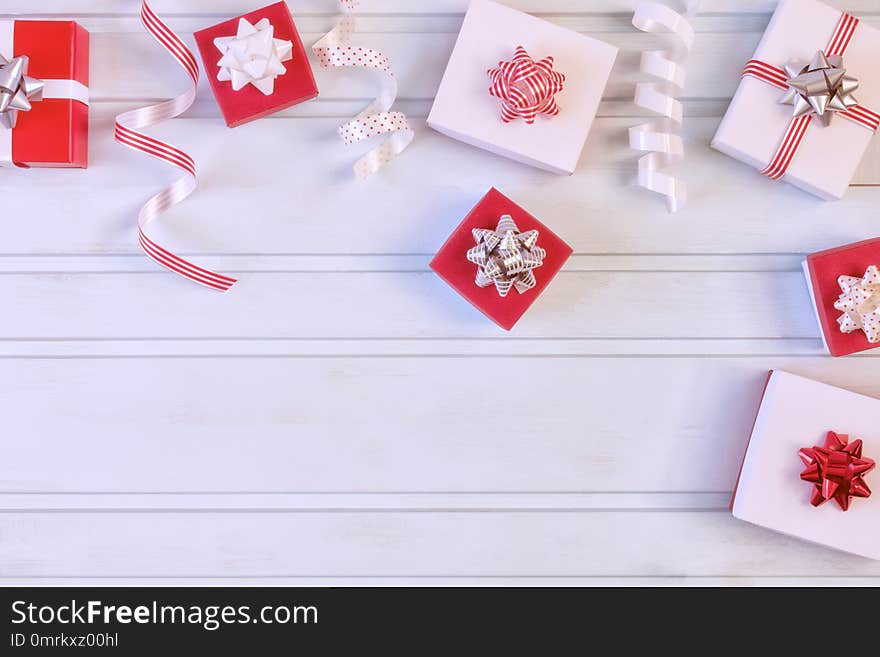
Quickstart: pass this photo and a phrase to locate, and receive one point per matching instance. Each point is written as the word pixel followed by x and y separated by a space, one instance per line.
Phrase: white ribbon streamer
pixel 663 145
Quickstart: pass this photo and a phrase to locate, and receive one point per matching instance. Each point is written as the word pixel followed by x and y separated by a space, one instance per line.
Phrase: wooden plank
pixel 523 581
pixel 318 209
pixel 333 502
pixel 405 305
pixel 146 347
pixel 408 545
pixel 387 424
pixel 118 70
pixel 378 262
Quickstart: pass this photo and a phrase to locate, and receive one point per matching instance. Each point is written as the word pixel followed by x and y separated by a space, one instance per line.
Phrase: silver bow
pixel 860 304
pixel 821 87
pixel 17 90
pixel 506 257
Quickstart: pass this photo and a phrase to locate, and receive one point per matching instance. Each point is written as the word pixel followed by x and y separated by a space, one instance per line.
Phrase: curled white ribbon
pixel 335 50
pixel 664 146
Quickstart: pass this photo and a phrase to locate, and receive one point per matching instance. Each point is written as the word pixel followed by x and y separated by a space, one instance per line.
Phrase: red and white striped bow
pixel 797 129
pixel 526 88
pixel 128 133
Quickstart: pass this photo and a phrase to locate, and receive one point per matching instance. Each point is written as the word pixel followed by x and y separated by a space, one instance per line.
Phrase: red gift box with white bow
pixel 44 79
pixel 256 64
pixel 844 285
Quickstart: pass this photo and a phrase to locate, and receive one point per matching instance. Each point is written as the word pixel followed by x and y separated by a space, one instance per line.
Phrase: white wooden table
pixel 329 420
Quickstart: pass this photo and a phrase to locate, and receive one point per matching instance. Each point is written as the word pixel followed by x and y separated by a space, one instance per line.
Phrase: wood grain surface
pixel 341 416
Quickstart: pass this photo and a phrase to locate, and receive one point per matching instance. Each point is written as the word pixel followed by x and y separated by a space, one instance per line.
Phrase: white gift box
pixel 464 110
pixel 755 122
pixel 795 413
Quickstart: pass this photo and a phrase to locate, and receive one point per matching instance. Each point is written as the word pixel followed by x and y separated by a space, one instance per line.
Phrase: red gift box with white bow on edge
pixel 44 79
pixel 844 285
pixel 256 64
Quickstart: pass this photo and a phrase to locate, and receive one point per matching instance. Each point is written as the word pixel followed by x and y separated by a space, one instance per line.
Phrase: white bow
pixel 253 56
pixel 860 304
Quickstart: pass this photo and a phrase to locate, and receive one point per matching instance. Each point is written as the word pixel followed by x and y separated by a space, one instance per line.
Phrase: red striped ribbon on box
pixel 127 133
pixel 797 129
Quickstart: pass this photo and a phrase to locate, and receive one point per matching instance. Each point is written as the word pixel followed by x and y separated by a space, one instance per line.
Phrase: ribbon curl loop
pixel 335 50
pixel 663 147
pixel 128 125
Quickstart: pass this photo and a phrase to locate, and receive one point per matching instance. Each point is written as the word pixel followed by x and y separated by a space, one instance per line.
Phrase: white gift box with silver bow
pixel 756 121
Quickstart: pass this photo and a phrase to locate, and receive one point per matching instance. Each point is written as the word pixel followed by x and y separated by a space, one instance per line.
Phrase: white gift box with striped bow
pixel 762 132
pixel 539 136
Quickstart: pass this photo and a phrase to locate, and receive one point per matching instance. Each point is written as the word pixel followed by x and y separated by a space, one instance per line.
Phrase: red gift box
pixel 295 86
pixel 822 271
pixel 452 265
pixel 55 131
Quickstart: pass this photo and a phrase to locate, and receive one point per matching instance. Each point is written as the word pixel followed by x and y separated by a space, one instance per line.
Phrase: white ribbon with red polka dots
pixel 335 50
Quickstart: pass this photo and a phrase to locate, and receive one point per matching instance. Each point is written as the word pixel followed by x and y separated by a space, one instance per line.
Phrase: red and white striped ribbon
pixel 335 50
pixel 127 133
pixel 526 87
pixel 797 128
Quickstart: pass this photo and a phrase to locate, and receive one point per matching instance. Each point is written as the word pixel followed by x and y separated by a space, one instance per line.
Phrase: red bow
pixel 836 470
pixel 526 87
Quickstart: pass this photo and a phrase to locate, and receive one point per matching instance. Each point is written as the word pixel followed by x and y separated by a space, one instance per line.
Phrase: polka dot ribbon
pixel 526 88
pixel 335 50
pixel 128 125
pixel 797 128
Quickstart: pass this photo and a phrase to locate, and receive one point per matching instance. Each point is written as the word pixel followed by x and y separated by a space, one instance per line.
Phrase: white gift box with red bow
pixel 797 413
pixel 532 132
pixel 757 128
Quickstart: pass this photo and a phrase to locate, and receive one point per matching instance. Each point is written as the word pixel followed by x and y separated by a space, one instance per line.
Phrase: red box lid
pixel 55 132
pixel 452 265
pixel 824 268
pixel 249 103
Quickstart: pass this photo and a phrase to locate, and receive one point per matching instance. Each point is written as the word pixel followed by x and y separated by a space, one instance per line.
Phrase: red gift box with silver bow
pixel 256 64
pixel 844 285
pixel 500 258
pixel 44 79
pixel 808 104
